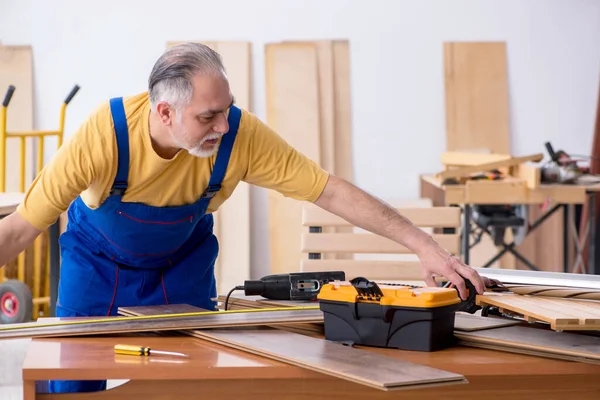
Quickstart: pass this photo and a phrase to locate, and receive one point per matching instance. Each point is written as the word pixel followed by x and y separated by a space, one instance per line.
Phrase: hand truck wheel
pixel 16 302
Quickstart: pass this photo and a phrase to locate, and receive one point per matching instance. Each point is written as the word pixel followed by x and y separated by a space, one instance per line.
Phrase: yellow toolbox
pixel 389 315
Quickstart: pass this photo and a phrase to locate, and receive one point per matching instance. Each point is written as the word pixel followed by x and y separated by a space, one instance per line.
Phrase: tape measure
pixel 30 325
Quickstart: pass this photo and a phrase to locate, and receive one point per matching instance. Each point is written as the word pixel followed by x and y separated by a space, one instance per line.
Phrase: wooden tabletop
pixel 9 202
pixel 509 191
pixel 220 371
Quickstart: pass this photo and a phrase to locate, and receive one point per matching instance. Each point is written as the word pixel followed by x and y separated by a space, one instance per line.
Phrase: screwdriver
pixel 142 351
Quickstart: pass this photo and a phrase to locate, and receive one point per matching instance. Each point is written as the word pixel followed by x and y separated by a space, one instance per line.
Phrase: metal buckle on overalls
pixel 211 191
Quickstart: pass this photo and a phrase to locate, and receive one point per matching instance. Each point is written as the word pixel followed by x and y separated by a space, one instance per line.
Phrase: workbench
pixel 515 192
pixel 218 372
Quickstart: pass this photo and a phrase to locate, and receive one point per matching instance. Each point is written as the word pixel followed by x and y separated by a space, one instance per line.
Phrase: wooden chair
pixel 322 239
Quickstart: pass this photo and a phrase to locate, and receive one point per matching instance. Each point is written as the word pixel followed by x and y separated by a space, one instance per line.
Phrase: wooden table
pixel 217 372
pixel 515 191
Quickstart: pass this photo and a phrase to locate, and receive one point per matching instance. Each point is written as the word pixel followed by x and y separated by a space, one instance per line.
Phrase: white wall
pixel 108 47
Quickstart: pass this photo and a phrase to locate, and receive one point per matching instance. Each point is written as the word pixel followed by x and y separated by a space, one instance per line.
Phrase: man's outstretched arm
pixel 367 212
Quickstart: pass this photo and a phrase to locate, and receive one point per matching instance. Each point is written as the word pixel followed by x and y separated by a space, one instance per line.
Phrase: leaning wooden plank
pixel 232 220
pixel 476 90
pixel 355 365
pixel 16 65
pixel 157 323
pixel 470 323
pixel 577 346
pixel 293 111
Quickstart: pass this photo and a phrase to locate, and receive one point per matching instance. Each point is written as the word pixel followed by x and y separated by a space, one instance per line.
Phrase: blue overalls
pixel 132 254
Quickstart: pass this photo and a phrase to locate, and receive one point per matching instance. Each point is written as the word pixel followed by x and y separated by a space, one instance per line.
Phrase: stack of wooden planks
pixel 308 104
pixel 561 313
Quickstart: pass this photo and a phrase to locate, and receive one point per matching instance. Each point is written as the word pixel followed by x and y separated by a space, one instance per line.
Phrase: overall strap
pixel 222 161
pixel 122 132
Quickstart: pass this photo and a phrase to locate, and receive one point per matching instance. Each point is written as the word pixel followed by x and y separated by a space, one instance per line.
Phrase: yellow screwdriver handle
pixel 132 350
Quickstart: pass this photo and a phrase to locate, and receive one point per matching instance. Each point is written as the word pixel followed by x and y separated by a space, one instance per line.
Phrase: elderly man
pixel 142 176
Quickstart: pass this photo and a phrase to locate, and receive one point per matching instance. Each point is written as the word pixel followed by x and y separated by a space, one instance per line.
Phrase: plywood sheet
pixel 476 88
pixel 293 106
pixel 16 68
pixel 232 220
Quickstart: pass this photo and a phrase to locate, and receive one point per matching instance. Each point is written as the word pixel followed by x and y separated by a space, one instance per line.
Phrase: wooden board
pixel 16 68
pixel 232 220
pixel 471 323
pixel 315 354
pixel 293 111
pixel 561 314
pixel 355 365
pixel 476 89
pixel 158 323
pixel 539 342
pixel 555 291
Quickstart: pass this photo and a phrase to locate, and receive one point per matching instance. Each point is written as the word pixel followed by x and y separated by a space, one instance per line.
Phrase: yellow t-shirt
pixel 86 165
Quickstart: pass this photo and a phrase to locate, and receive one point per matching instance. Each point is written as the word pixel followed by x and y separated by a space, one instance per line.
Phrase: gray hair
pixel 170 79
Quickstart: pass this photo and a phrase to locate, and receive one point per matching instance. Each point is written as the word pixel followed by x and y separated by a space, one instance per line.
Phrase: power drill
pixel 293 286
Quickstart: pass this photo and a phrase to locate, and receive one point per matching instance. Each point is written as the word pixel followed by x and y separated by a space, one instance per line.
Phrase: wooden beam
pixel 464 171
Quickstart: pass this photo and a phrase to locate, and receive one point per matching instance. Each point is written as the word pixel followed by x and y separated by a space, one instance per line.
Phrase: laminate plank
pixel 158 323
pixel 471 323
pixel 331 358
pixel 574 345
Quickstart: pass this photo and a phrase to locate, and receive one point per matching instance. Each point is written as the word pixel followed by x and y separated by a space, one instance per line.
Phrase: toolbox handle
pixel 72 94
pixel 8 95
pixel 366 288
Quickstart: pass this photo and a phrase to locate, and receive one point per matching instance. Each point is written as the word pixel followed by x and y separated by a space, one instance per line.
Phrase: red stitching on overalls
pixel 190 219
pixel 112 302
pixel 137 254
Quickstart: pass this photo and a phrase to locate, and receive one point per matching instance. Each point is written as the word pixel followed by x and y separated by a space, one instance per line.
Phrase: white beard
pixel 197 149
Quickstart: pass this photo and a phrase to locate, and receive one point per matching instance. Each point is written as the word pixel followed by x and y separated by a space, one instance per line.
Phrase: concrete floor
pixel 12 355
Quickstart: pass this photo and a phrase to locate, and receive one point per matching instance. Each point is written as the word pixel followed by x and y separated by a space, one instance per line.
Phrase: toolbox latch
pixel 367 290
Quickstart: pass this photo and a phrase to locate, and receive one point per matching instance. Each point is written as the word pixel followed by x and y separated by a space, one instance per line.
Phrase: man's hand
pixel 436 262
pixel 367 212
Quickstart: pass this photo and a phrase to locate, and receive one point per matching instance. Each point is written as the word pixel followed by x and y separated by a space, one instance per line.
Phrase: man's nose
pixel 222 126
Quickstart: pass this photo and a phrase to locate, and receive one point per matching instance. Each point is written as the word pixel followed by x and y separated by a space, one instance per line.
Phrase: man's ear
pixel 165 113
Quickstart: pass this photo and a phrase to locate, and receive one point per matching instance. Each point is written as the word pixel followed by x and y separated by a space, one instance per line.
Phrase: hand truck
pixel 18 301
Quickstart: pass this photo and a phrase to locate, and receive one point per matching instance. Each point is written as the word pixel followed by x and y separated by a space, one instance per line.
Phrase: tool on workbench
pixel 391 315
pixel 561 168
pixel 292 286
pixel 133 350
